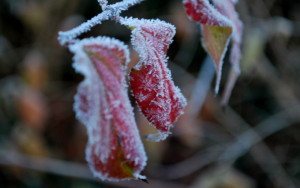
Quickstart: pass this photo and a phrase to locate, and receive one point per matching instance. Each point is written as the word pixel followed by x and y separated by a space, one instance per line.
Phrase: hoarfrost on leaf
pixel 154 90
pixel 219 23
pixel 226 7
pixel 103 106
pixel 114 150
pixel 216 31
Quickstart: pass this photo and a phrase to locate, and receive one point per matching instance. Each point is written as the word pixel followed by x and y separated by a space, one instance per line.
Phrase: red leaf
pixel 202 12
pixel 114 150
pixel 216 31
pixel 219 23
pixel 158 98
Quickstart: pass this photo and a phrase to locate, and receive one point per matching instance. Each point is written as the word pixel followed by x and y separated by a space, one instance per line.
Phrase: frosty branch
pixel 108 12
pixel 114 150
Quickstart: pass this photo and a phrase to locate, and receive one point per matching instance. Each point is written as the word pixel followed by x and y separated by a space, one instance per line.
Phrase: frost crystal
pixel 114 150
pixel 158 98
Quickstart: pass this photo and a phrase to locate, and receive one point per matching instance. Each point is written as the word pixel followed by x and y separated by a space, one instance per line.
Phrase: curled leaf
pixel 158 98
pixel 114 150
pixel 216 31
pixel 202 12
pixel 226 7
pixel 215 40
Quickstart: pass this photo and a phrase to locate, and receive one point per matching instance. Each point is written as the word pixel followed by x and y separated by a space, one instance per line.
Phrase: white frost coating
pixel 151 39
pixel 228 10
pixel 108 42
pixel 226 7
pixel 141 44
pixel 220 67
pixel 101 102
pixel 69 36
pixel 213 15
pixel 92 87
pixel 97 104
pixel 216 15
pixel 234 1
pixel 143 97
pixel 124 5
pixel 83 66
pixel 109 12
pixel 103 4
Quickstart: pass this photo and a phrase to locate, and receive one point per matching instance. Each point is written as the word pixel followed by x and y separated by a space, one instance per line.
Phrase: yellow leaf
pixel 215 40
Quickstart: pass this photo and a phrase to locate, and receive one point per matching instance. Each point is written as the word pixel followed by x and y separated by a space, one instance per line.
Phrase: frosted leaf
pixel 114 150
pixel 156 95
pixel 216 31
pixel 202 12
pixel 215 40
pixel 226 7
pixel 219 24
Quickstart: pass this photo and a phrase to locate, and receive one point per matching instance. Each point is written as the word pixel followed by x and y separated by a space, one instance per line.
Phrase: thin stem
pixel 233 76
pixel 109 12
pixel 68 37
pixel 124 5
pixel 252 141
pixel 241 145
pixel 69 169
pixel 202 86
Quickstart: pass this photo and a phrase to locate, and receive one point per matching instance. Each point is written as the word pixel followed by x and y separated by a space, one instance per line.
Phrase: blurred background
pixel 253 142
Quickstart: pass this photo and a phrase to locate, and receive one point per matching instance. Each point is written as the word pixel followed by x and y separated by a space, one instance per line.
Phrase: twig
pixel 202 86
pixel 242 144
pixel 68 37
pixel 190 165
pixel 109 12
pixel 254 136
pixel 69 169
pixel 232 79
